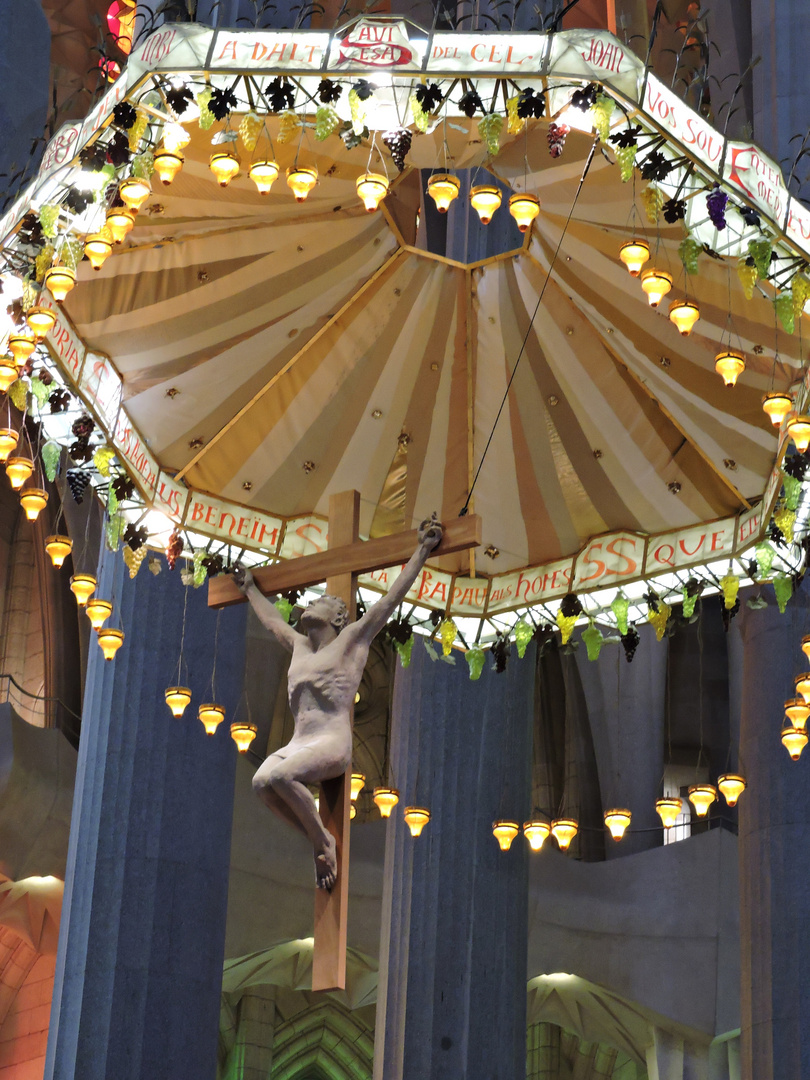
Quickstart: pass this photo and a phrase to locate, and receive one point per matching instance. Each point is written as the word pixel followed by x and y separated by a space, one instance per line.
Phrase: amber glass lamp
pixel 701 796
pixel 33 502
pixel 777 406
pixel 372 188
pixel 18 469
pixel 564 830
pixel 40 319
pixel 729 365
pixel 178 698
pixel 59 280
pixel 656 284
pixel 264 175
pixel 98 247
pixel 485 200
pixel 505 832
pixel 669 810
pixel 806 646
pixel 8 372
pixel 802 684
pixel 416 818
pixel 110 641
pixel 524 208
pixel 634 254
pixel 21 346
pixel 684 314
pixel 301 179
pixel 536 832
pixel 794 741
pixel 797 711
pixel 243 735
pixel 58 548
pixel 799 430
pixel 731 787
pixel 617 822
pixel 225 166
pixel 168 164
pixel 121 221
pixel 98 611
pixel 443 188
pixel 134 192
pixel 211 716
pixel 83 586
pixel 385 799
pixel 356 784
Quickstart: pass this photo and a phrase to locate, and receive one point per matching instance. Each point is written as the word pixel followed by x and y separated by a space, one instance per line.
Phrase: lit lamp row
pixel 485 199
pixel 386 798
pixel 536 832
pixel 83 586
pixel 701 796
pixel 656 284
pixel 797 711
pixel 18 467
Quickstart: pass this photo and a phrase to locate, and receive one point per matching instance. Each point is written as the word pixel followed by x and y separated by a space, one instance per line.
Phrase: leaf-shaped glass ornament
pixel 691 591
pixel 729 586
pixel 793 491
pixel 761 251
pixel 137 131
pixel 326 121
pixel 747 273
pixel 207 118
pixel 514 123
pixel 72 252
pixel 421 119
pixel 40 391
pixel 284 608
pixel 288 128
pixel 784 309
pixel 566 624
pixel 250 128
pixel 601 112
pixel 133 559
pixel 199 572
pixel 18 393
pixel 50 454
pixel 48 218
pixel 626 157
pixel 404 650
pixel 44 261
pixel 688 252
pixel 620 606
pixel 144 165
pixel 489 128
pixel 653 199
pixel 447 635
pixel 765 555
pixel 523 633
pixel 783 589
pixel 475 657
pixel 800 292
pixel 112 500
pixel 115 529
pixel 359 110
pixel 102 458
pixel 785 520
pixel 592 637
pixel 659 619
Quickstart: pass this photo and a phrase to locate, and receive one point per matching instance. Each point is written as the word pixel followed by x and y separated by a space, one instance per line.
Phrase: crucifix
pixel 324 675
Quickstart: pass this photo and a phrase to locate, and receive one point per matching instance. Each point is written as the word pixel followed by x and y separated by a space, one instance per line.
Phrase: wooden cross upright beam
pixel 339 567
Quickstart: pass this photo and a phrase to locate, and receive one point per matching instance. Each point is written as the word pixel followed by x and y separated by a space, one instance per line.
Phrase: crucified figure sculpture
pixel 328 660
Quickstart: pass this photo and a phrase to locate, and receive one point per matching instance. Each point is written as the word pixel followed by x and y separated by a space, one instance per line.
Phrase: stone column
pixel 774 842
pixel 452 987
pixel 252 1055
pixel 139 966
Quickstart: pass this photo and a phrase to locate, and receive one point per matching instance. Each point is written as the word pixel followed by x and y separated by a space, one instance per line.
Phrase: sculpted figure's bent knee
pixel 328 659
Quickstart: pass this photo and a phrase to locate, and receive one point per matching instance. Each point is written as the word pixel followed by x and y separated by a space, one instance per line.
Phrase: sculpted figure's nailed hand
pixel 328 658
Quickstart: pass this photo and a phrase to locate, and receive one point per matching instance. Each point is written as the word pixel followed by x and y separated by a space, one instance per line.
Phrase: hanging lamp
pixel 669 810
pixel 58 548
pixel 656 284
pixel 684 314
pixel 59 280
pixel 264 175
pixel 806 646
pixel 372 188
pixel 794 741
pixel 701 796
pixel 634 254
pixel 211 716
pixel 18 469
pixel 98 247
pixel 8 372
pixel 243 735
pixel 536 832
pixel 443 188
pixel 83 586
pixel 301 179
pixel 121 221
pixel 21 346
pixel 33 502
pixel 485 200
pixel 799 430
pixel 731 787
pixel 416 818
pixel 8 442
pixel 178 698
pixel 802 684
pixel 729 365
pixel 225 165
pixel 356 785
pixel 777 406
pixel 98 611
pixel 617 822
pixel 524 208
pixel 505 832
pixel 797 711
pixel 168 164
pixel 110 641
pixel 386 799
pixel 564 830
pixel 134 191
pixel 40 319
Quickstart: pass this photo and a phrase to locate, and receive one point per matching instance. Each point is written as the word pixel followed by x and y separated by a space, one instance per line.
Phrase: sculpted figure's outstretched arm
pixel 265 609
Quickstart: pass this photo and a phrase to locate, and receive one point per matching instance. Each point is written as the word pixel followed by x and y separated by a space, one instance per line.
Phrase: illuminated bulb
pixel 372 188
pixel 416 818
pixel 98 247
pixel 806 646
pixel 21 346
pixel 634 254
pixel 386 799
pixel 485 200
pixel 536 832
pixel 656 284
pixel 59 280
pixel 33 501
pixel 617 822
pixel 8 441
pixel 82 586
pixel 8 372
pixel 799 430
pixel 352 812
pixel 18 469
pixel 505 832
pixel 797 712
pixel 110 641
pixel 134 192
pixel 225 166
pixel 301 179
pixel 168 164
pixel 175 136
pixel 701 796
pixel 731 787
pixel 178 698
pixel 243 735
pixel 98 611
pixel 58 547
pixel 120 221
pixel 802 683
pixel 684 314
pixel 263 174
pixel 524 209
pixel 211 716
pixel 777 406
pixel 356 786
pixel 443 188
pixel 794 741
pixel 564 830
pixel 730 365
pixel 40 319
pixel 668 810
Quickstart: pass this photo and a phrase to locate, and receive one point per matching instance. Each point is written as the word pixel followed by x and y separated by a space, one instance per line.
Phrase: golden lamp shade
pixel 134 191
pixel 356 786
pixel 352 812
pixel 656 284
pixel 21 346
pixel 536 832
pixel 98 247
pixel 617 822
pixel 120 221
pixel 802 684
pixel 40 320
pixel 59 280
pixel 564 830
pixel 301 179
pixel 701 796
pixel 669 810
pixel 243 735
pixel 58 548
pixel 178 698
pixel 83 586
pixel 33 502
pixel 797 711
pixel 794 741
pixel 372 188
pixel 776 406
pixel 416 818
pixel 505 832
pixel 524 208
pixel 729 365
pixel 211 716
pixel 731 787
pixel 684 314
pixel 386 799
pixel 8 442
pixel 18 469
pixel 168 164
pixel 225 166
pixel 110 641
pixel 443 188
pixel 806 646
pixel 799 430
pixel 485 200
pixel 8 372
pixel 98 611
pixel 263 174
pixel 634 254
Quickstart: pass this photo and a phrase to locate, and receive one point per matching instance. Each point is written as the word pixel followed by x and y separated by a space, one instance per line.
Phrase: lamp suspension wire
pixel 466 505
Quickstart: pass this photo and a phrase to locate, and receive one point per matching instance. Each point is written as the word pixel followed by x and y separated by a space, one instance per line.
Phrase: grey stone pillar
pixel 452 987
pixel 139 966
pixel 774 839
pixel 25 49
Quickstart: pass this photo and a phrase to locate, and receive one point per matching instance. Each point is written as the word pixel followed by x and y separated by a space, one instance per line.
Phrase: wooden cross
pixel 339 567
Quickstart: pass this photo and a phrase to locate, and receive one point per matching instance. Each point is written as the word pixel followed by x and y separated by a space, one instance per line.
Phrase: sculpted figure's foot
pixel 326 865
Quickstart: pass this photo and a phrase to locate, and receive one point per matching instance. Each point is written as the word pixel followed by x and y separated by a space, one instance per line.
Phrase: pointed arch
pixel 325 1043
